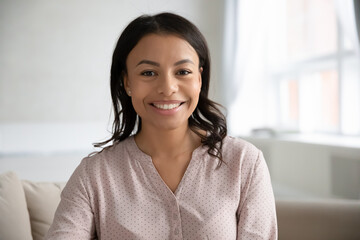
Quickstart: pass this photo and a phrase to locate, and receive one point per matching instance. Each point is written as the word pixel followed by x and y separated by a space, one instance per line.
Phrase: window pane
pixel 350 89
pixel 311 28
pixel 289 104
pixel 330 101
pixel 319 102
pixel 310 89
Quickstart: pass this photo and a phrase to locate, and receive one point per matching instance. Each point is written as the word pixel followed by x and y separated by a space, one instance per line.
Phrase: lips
pixel 167 106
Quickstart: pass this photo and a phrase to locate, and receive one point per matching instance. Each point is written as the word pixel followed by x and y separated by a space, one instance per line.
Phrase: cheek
pixel 196 88
pixel 139 89
pixel 138 106
pixel 139 95
pixel 199 84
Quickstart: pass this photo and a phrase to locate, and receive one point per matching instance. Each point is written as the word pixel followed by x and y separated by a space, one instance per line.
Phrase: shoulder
pixel 246 159
pixel 108 159
pixel 101 166
pixel 241 154
pixel 116 151
pixel 238 146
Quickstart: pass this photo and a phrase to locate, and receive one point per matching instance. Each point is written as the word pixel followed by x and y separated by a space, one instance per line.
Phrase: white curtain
pixel 348 12
pixel 244 59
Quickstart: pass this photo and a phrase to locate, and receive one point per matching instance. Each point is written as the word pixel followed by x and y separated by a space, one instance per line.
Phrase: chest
pixel 145 200
pixel 171 171
pixel 142 217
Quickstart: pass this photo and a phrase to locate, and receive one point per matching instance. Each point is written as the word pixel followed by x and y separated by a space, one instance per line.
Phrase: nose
pixel 167 85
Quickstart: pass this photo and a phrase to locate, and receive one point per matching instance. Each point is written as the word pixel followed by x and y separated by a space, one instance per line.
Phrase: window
pixel 313 69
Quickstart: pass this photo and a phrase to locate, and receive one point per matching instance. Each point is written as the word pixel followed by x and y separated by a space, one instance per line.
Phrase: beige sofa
pixel 27 209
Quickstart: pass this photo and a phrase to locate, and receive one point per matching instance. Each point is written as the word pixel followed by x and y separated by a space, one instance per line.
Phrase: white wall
pixel 55 60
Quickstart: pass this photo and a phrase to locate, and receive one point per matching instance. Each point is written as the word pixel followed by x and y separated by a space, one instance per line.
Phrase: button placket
pixel 176 220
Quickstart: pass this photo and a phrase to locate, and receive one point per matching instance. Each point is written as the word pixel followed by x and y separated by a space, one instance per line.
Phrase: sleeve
pixel 74 218
pixel 256 212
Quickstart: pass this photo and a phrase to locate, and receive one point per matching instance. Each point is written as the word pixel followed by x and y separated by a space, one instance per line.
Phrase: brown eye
pixel 148 73
pixel 183 72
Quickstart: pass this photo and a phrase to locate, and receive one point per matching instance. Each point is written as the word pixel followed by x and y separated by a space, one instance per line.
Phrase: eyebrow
pixel 148 62
pixel 158 64
pixel 183 61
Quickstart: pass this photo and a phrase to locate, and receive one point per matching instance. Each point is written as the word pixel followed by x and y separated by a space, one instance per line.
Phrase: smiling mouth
pixel 166 106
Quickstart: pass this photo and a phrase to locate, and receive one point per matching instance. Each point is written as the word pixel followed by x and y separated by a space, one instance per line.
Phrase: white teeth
pixel 167 106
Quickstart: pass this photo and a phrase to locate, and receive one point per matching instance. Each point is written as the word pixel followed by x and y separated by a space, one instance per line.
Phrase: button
pixel 176 231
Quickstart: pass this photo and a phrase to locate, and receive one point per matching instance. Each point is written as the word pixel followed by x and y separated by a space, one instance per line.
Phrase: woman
pixel 178 176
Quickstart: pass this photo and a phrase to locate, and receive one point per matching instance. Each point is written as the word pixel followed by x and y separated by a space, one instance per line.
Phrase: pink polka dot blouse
pixel 118 194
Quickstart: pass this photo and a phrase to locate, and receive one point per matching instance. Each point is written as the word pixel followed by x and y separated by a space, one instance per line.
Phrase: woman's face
pixel 164 80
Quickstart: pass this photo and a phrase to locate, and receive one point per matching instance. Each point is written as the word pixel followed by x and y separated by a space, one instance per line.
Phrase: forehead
pixel 163 48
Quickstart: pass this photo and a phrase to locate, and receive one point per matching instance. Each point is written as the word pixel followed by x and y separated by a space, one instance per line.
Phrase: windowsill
pixel 318 139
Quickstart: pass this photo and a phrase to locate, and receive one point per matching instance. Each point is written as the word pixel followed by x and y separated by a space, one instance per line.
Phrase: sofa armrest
pixel 318 219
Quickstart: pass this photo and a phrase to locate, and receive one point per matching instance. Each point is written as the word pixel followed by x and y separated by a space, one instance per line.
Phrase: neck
pixel 167 143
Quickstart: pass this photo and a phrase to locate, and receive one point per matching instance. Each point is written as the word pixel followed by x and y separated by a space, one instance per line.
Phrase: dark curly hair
pixel 206 116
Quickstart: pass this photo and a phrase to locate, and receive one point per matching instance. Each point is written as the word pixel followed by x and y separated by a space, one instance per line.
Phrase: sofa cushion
pixel 14 217
pixel 42 200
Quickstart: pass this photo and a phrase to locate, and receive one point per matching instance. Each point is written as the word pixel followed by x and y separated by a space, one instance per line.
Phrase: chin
pixel 169 126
